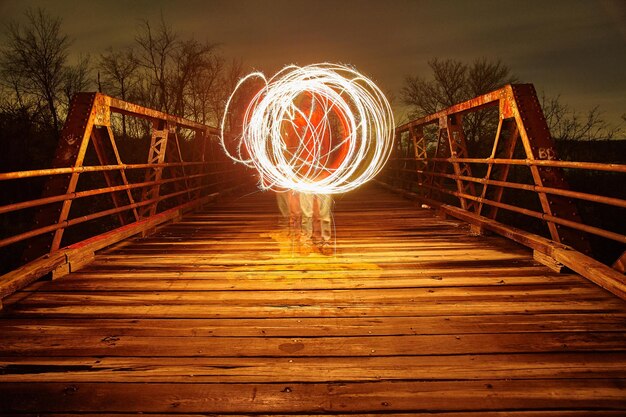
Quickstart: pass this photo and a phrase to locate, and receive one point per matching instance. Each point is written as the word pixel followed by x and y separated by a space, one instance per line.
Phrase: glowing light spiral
pixel 321 128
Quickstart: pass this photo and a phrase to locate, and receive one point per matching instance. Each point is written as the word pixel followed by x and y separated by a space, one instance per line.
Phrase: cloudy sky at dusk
pixel 575 48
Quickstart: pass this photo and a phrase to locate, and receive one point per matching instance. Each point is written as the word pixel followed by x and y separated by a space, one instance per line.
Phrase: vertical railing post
pixel 458 150
pixel 506 126
pixel 156 156
pixel 441 151
pixel 420 155
pixel 538 145
pixel 70 152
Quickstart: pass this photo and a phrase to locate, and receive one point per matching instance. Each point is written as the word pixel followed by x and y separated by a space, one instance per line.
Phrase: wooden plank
pixel 314 370
pixel 372 397
pixel 314 262
pixel 269 294
pixel 213 316
pixel 113 345
pixel 512 413
pixel 316 326
pixel 548 261
pixel 21 277
pixel 602 275
pixel 434 308
pixel 120 282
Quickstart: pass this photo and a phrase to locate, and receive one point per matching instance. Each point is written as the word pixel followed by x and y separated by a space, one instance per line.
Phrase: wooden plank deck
pixel 219 314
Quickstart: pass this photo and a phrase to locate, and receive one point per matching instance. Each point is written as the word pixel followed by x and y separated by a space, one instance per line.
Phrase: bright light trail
pixel 322 128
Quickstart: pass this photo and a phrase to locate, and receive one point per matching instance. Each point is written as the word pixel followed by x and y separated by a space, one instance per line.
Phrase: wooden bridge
pixel 195 303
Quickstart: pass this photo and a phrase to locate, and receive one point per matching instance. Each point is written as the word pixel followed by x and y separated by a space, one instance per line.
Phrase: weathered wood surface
pixel 220 314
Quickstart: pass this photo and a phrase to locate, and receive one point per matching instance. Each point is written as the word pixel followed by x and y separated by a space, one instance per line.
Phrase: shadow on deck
pixel 219 314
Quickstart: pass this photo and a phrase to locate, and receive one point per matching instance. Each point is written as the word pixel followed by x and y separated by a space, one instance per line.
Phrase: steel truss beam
pixel 89 122
pixel 520 118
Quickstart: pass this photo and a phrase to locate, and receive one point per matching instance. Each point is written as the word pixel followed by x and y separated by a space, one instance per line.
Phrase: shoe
pixel 326 250
pixel 305 249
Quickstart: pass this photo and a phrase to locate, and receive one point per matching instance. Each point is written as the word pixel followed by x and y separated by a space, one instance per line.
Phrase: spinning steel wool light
pixel 322 128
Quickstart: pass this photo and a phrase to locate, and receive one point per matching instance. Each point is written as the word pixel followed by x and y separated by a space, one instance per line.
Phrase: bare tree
pixel 206 90
pixel 120 70
pixel 566 123
pixel 14 100
pixel 35 58
pixel 484 76
pixel 453 82
pixel 156 49
pixel 76 78
pixel 175 71
pixel 182 76
pixel 227 82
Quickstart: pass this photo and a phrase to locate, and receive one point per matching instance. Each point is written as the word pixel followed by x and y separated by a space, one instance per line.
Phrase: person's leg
pixel 325 221
pixel 282 200
pixel 295 214
pixel 317 232
pixel 306 207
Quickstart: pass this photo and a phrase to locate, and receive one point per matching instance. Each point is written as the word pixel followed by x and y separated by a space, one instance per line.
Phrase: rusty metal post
pixel 174 155
pixel 156 155
pixel 118 159
pixel 538 145
pixel 70 152
pixel 112 178
pixel 442 151
pixel 419 149
pixel 458 149
pixel 200 139
pixel 396 155
pixel 506 124
pixel 102 124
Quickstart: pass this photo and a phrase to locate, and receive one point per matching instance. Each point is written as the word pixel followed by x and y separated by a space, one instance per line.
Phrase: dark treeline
pixel 161 70
pixel 454 81
pixel 191 78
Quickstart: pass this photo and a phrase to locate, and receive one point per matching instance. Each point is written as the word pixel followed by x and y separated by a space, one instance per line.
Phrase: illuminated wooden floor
pixel 217 314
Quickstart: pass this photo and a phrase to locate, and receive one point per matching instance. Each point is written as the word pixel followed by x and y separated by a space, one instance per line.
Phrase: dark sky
pixel 573 48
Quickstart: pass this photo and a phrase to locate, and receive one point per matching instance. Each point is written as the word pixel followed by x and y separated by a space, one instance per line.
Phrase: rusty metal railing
pixel 515 184
pixel 90 198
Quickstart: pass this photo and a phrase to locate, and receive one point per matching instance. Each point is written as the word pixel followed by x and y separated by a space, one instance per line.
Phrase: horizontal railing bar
pixel 617 202
pixel 595 166
pixel 486 100
pixel 19 278
pixel 36 232
pixel 584 265
pixel 93 216
pixel 531 213
pixel 98 191
pixel 120 106
pixel 96 168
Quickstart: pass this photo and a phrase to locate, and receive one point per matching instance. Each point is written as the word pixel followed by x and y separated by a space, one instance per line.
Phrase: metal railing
pixel 517 186
pixel 90 198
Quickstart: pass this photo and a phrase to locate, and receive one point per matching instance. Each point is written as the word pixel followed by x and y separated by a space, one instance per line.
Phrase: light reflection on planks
pixel 219 314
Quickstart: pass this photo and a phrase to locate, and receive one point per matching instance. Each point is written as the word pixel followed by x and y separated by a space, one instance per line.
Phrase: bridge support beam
pixel 520 119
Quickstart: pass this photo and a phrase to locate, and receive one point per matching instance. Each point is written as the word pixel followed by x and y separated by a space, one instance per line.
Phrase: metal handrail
pixel 596 166
pixel 166 177
pixel 478 198
pixel 5 176
pixel 617 202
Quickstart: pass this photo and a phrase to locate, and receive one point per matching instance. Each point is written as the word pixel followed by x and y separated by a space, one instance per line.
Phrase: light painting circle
pixel 322 128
